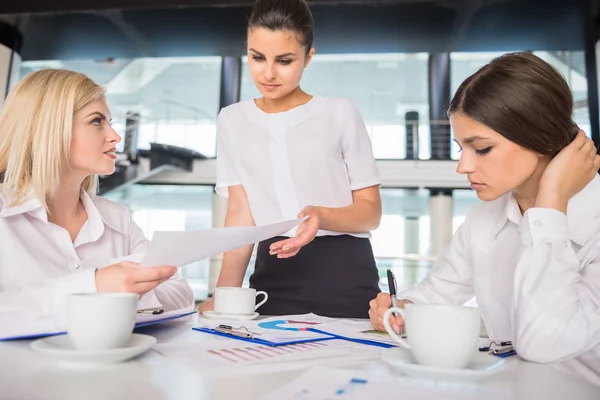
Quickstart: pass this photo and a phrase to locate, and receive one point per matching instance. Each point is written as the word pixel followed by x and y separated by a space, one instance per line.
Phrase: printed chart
pixel 226 356
pixel 258 354
pixel 288 325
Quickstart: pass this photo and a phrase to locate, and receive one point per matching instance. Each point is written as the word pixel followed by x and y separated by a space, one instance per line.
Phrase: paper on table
pixel 328 384
pixel 184 247
pixel 225 357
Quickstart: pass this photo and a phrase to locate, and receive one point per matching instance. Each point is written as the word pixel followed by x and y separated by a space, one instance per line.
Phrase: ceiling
pixel 125 29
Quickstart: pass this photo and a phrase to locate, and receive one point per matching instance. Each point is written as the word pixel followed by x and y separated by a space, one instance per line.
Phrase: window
pixel 176 98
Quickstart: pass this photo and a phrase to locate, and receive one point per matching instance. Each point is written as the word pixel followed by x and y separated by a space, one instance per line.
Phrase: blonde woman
pixel 55 139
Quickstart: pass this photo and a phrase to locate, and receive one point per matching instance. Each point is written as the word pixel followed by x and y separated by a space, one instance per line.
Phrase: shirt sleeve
pixel 556 300
pixel 357 149
pixel 41 307
pixel 174 294
pixel 450 280
pixel 226 156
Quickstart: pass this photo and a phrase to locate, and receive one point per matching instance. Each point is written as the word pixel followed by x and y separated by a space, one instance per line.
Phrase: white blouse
pixel 536 278
pixel 315 154
pixel 40 265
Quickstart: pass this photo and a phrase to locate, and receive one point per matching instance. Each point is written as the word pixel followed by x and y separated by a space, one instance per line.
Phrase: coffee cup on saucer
pixel 237 300
pixel 438 336
pixel 100 321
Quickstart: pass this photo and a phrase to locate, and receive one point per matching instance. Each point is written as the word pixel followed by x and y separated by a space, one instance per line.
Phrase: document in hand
pixel 184 247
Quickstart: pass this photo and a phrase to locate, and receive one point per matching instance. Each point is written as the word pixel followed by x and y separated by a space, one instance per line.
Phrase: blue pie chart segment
pixel 287 325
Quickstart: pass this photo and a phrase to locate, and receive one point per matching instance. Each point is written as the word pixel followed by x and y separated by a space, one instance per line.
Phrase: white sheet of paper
pixel 324 383
pixel 184 247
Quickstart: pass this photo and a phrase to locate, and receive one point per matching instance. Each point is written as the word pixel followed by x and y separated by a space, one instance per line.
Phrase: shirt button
pixel 537 223
pixel 77 265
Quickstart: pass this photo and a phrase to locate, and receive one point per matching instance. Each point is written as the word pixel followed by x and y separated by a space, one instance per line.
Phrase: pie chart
pixel 288 325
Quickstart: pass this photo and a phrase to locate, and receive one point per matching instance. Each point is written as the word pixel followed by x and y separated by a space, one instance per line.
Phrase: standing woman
pixel 290 154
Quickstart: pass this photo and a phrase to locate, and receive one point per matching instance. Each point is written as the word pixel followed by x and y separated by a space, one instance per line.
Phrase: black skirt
pixel 334 276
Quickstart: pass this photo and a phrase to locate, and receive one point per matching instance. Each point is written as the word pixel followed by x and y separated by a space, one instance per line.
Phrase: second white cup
pixel 439 336
pixel 237 300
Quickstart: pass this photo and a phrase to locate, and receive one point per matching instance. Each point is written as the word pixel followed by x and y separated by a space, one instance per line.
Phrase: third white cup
pixel 438 336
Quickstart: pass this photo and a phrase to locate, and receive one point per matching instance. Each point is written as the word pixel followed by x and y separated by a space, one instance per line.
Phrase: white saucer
pixel 60 347
pixel 235 317
pixel 481 366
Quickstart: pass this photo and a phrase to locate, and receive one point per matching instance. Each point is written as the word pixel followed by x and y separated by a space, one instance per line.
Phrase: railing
pixel 415 141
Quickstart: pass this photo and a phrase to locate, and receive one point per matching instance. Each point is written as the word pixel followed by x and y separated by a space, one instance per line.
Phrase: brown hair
pixel 284 15
pixel 523 98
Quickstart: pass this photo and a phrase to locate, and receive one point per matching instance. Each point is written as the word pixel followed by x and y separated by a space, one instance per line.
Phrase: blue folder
pixel 361 341
pixel 265 342
pixel 138 325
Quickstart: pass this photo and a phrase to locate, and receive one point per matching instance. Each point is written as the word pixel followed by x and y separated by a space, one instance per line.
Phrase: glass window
pixel 571 64
pixel 384 87
pixel 177 98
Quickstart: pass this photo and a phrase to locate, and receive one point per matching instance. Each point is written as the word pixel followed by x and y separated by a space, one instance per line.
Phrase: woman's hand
pixel 568 173
pixel 207 305
pixel 306 232
pixel 378 306
pixel 129 277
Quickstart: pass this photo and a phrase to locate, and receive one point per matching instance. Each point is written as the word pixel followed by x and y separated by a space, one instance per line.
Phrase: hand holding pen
pixel 379 306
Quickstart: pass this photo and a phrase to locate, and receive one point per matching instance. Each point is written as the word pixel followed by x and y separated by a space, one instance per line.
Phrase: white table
pixel 25 374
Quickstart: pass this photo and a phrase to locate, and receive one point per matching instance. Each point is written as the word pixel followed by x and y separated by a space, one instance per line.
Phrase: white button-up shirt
pixel 536 277
pixel 315 154
pixel 40 265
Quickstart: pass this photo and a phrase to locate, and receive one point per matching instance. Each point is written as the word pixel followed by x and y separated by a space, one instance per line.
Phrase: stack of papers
pixel 141 321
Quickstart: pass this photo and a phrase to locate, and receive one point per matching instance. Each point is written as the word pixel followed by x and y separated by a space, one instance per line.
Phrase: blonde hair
pixel 36 123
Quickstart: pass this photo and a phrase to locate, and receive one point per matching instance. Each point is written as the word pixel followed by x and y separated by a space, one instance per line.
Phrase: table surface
pixel 26 374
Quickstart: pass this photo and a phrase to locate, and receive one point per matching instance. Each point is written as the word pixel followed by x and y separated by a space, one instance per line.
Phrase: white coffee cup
pixel 237 300
pixel 100 321
pixel 439 336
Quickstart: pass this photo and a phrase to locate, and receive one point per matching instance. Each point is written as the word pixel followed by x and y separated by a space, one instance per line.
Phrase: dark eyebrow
pixel 276 57
pixel 257 52
pixel 102 116
pixel 474 138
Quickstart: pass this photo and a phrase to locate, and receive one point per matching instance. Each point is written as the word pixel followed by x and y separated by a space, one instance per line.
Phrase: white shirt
pixel 536 277
pixel 40 265
pixel 315 154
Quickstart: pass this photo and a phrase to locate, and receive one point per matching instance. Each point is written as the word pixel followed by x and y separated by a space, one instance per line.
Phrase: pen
pixel 503 350
pixel 233 333
pixel 392 285
pixel 153 311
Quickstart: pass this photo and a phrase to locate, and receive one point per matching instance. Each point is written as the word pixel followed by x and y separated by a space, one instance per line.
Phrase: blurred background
pixel 169 66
